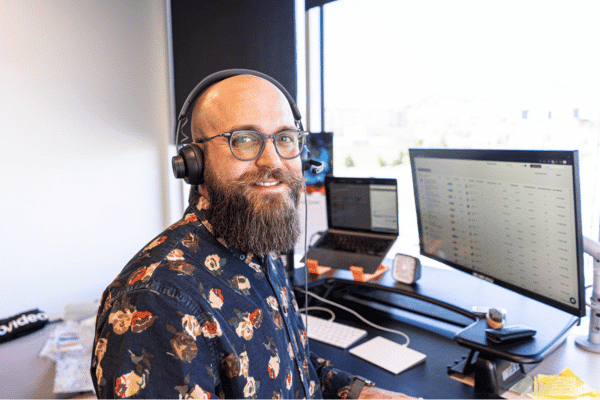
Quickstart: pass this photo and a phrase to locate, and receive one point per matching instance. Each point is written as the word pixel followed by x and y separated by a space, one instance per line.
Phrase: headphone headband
pixel 228 73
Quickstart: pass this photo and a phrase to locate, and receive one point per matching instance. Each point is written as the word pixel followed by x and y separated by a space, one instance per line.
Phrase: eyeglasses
pixel 249 145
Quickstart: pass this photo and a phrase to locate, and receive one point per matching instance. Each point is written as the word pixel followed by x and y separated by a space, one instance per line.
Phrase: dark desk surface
pixel 428 379
pixel 385 301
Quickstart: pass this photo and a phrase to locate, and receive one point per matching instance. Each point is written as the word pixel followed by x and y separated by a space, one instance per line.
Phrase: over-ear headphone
pixel 189 162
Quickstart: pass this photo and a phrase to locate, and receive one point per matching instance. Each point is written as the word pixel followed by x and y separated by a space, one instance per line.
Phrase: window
pixel 459 74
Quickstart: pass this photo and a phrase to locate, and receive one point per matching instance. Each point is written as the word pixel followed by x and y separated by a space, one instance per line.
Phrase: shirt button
pixel 242 257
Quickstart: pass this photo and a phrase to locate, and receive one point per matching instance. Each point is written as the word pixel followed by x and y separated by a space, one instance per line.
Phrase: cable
pixel 593 307
pixel 306 292
pixel 305 267
pixel 590 305
pixel 404 335
pixel 320 309
pixel 314 235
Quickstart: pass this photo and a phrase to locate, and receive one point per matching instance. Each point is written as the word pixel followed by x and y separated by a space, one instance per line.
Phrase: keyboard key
pixel 354 243
pixel 333 333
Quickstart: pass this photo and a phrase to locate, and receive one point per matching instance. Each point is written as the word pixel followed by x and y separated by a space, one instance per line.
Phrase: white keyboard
pixel 333 333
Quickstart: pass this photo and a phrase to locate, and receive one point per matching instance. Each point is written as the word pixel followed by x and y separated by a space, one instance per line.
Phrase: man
pixel 205 310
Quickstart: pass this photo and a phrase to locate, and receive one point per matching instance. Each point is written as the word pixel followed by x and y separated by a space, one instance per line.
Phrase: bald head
pixel 239 102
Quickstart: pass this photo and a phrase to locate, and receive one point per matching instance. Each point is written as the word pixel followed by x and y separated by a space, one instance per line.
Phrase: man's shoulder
pixel 188 232
pixel 170 260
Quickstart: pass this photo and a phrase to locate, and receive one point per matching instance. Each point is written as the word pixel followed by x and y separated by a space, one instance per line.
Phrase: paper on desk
pixel 70 346
pixel 565 385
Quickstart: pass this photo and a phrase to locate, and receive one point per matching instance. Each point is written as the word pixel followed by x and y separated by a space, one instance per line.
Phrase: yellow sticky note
pixel 565 385
pixel 583 389
pixel 568 372
pixel 559 387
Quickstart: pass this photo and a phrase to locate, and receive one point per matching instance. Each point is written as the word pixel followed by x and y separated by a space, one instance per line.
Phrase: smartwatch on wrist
pixel 357 386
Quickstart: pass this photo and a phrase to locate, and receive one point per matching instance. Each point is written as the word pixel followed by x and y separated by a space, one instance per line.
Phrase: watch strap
pixel 357 386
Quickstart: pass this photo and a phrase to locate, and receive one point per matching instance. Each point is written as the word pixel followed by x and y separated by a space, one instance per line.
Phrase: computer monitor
pixel 511 217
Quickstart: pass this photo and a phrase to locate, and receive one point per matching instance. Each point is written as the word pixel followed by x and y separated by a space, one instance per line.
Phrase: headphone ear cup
pixel 189 164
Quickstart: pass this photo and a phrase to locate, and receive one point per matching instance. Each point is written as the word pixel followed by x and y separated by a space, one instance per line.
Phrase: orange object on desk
pixel 359 275
pixel 314 267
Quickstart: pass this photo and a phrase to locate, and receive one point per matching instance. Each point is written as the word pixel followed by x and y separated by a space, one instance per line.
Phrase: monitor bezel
pixel 511 156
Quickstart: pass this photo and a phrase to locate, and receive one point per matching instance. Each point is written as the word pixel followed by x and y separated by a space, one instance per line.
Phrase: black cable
pixel 306 269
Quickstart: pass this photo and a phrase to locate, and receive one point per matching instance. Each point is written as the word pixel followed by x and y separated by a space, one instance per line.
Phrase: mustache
pixel 263 174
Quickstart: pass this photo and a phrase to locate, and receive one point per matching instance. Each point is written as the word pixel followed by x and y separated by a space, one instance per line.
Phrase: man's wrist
pixel 357 386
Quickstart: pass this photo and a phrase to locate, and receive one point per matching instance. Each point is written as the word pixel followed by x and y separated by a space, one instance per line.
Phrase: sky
pixel 523 52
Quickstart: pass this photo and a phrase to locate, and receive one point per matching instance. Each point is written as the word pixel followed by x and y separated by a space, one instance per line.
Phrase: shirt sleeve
pixel 335 383
pixel 146 347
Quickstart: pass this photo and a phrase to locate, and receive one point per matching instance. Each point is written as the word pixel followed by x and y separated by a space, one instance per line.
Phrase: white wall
pixel 84 123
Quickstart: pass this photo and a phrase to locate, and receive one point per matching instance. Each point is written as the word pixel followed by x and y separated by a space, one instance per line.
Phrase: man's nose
pixel 269 156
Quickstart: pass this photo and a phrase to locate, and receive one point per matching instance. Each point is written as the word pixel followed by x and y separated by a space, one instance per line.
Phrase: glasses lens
pixel 289 143
pixel 245 145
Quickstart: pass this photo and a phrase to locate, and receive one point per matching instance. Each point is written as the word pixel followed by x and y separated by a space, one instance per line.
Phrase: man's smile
pixel 269 184
pixel 266 184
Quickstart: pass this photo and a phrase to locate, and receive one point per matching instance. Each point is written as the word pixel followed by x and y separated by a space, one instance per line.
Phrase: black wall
pixel 212 35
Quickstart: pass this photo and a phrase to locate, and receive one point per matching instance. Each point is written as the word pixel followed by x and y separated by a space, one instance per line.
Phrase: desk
pixel 26 375
pixel 23 374
pixel 385 301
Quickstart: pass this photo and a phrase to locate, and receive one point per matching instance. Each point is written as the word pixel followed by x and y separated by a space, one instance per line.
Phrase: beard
pixel 249 220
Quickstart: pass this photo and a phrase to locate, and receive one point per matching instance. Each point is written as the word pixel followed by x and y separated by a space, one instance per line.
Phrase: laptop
pixel 362 223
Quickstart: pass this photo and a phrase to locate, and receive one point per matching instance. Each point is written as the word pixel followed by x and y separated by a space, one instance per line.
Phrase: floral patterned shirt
pixel 189 317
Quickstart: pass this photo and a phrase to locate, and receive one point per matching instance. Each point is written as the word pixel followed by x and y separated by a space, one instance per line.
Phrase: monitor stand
pixel 496 368
pixel 492 376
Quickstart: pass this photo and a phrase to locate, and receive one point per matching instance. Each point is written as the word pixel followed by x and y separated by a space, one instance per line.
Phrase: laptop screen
pixel 362 204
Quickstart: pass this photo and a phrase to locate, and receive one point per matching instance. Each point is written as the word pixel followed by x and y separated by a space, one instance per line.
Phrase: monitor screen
pixel 511 217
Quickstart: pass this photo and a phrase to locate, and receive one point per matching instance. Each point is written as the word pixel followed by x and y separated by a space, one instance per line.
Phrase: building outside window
pixel 456 74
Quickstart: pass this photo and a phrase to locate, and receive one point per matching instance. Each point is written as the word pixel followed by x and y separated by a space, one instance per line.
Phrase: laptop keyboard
pixel 355 244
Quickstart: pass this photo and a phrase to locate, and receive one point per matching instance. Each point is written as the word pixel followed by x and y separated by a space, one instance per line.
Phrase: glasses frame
pixel 229 135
